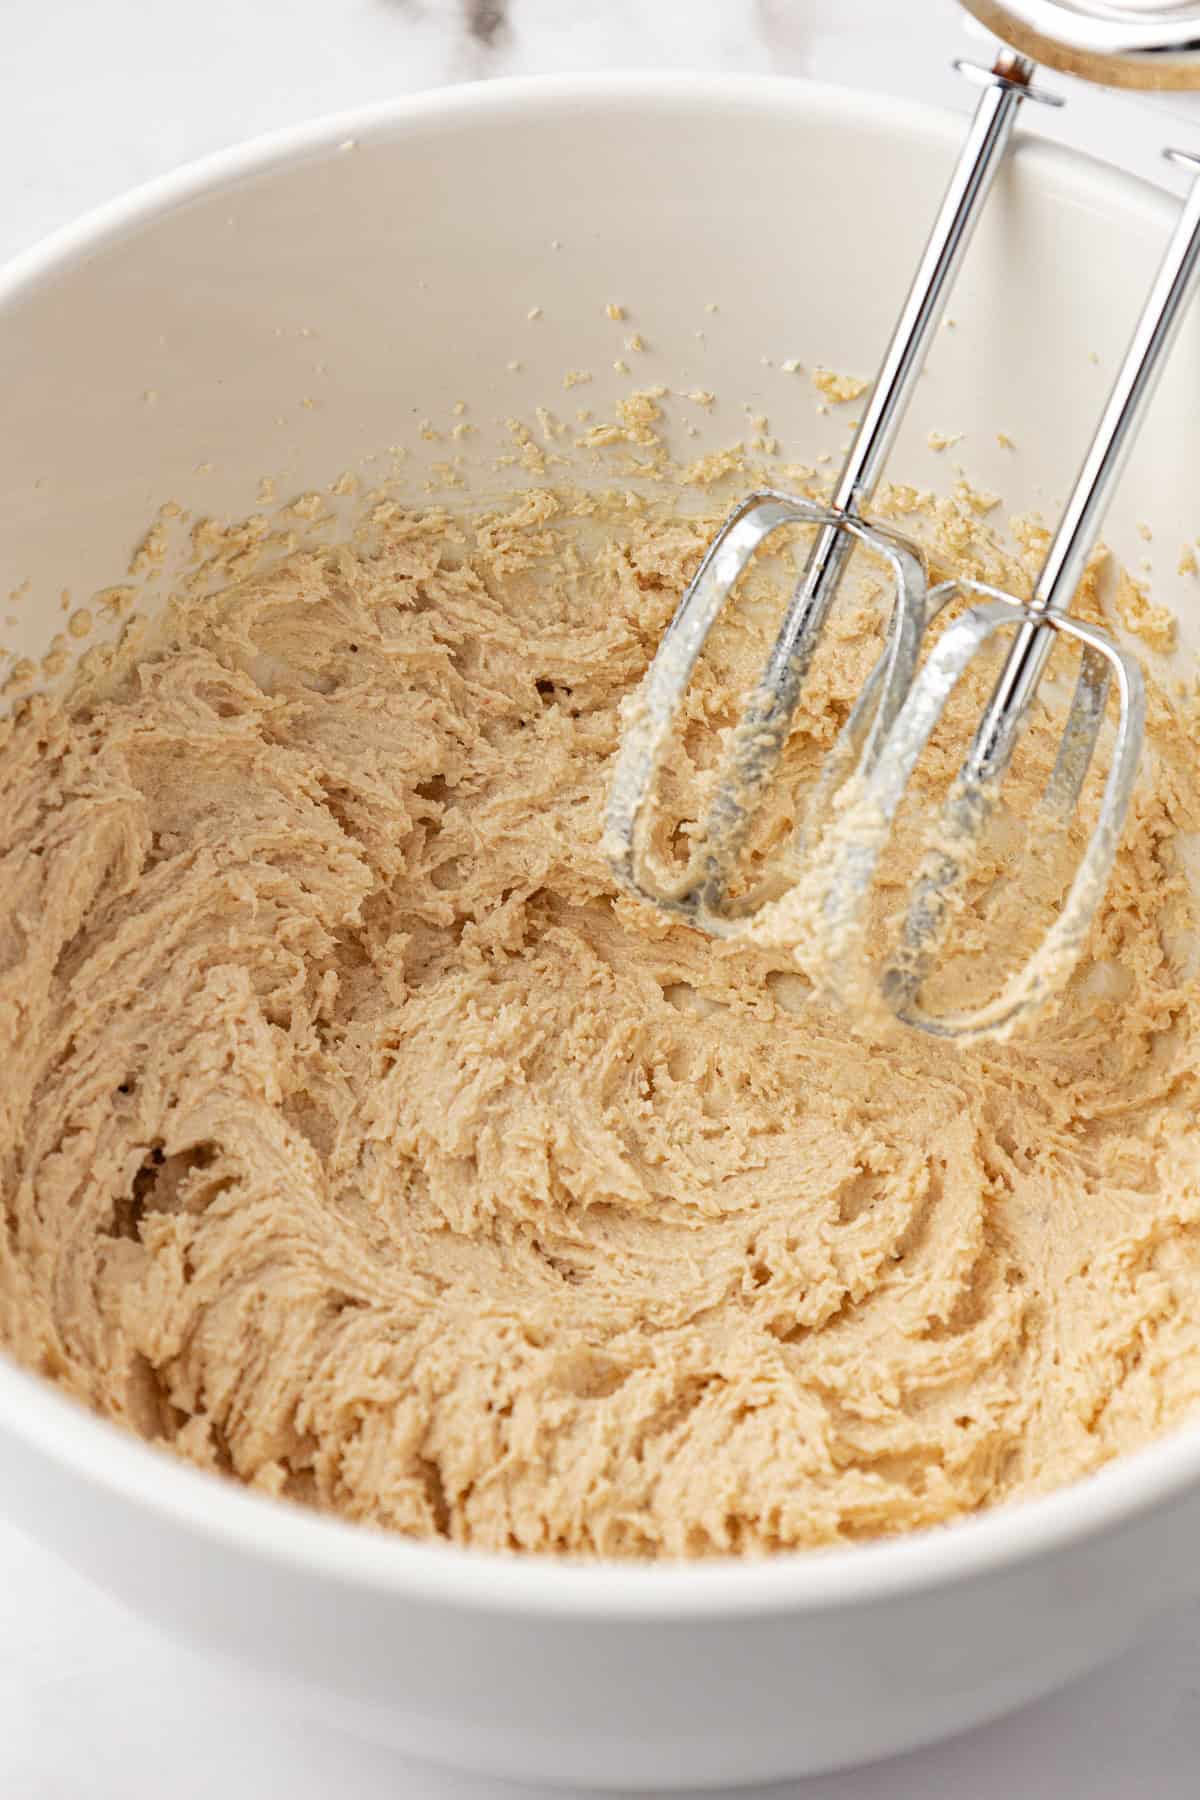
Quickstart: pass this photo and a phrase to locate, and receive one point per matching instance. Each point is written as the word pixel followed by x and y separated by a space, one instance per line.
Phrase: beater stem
pixel 1102 466
pixel 1007 85
pixel 758 741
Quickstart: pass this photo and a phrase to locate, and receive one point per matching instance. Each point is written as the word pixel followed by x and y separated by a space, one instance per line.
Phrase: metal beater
pixel 902 702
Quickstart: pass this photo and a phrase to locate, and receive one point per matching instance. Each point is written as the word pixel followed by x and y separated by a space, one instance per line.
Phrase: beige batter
pixel 357 1141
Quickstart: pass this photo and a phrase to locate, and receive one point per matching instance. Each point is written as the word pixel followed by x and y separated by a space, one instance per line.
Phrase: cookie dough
pixel 358 1141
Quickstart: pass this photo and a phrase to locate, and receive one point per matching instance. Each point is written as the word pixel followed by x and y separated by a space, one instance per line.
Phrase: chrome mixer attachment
pixel 850 814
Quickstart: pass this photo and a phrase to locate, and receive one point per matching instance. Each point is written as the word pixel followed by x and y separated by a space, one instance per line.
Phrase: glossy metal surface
pixel 975 793
pixel 896 731
pixel 698 892
pixel 1101 469
pixel 1129 45
pixel 757 742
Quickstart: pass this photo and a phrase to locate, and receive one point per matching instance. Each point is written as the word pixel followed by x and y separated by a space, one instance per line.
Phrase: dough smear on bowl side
pixel 361 1143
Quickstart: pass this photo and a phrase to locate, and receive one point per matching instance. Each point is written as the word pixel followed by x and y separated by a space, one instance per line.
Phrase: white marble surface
pixel 95 97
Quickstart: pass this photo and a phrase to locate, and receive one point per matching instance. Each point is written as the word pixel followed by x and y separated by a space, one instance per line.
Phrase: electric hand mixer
pixel 903 700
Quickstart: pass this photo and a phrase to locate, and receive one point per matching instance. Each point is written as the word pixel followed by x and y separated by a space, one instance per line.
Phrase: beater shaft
pixel 975 790
pixel 1101 469
pixel 758 741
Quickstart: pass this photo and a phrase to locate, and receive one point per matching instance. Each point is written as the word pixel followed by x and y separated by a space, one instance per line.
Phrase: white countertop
pixel 95 96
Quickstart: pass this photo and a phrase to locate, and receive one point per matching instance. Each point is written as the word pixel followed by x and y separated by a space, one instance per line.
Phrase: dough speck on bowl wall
pixel 361 1149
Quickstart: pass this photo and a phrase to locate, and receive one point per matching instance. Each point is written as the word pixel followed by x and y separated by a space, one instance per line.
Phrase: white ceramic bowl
pixel 382 266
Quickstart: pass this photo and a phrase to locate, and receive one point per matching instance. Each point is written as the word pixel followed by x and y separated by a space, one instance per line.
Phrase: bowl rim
pixel 288 1536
